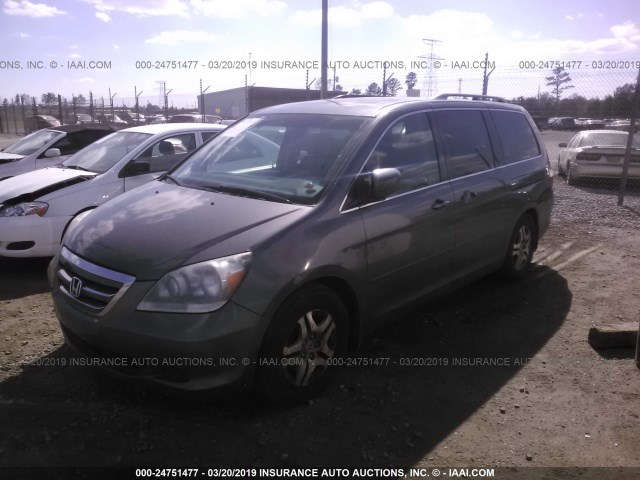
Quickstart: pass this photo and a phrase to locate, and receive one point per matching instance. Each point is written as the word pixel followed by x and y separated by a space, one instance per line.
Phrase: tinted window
pixel 516 136
pixel 466 142
pixel 100 156
pixel 408 147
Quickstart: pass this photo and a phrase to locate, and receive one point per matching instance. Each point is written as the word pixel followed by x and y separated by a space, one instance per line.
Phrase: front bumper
pixel 31 236
pixel 182 352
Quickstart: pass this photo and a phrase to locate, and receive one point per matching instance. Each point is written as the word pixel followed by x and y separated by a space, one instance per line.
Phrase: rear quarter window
pixel 516 136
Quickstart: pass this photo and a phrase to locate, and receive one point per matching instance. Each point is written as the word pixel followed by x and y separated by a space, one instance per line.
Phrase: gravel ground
pixel 553 402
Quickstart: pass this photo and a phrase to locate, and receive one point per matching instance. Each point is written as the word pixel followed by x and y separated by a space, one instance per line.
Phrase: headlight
pixel 23 209
pixel 198 288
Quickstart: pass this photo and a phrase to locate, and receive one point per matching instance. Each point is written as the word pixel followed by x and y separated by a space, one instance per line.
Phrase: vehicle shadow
pixel 445 361
pixel 21 277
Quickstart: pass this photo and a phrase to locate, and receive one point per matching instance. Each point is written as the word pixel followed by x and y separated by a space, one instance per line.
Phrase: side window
pixel 516 136
pixel 466 142
pixel 208 135
pixel 408 147
pixel 67 144
pixel 167 152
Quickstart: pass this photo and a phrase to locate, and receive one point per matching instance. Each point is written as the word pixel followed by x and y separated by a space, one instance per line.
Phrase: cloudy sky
pixel 76 46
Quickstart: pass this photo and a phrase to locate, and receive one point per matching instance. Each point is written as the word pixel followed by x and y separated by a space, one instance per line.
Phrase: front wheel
pixel 309 330
pixel 521 248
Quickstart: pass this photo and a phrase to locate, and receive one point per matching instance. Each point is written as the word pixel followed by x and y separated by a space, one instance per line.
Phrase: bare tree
pixel 393 85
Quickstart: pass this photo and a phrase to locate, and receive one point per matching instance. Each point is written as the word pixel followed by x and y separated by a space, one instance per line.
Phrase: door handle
pixel 439 203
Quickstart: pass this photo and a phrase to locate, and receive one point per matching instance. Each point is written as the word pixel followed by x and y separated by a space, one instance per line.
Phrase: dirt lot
pixel 548 400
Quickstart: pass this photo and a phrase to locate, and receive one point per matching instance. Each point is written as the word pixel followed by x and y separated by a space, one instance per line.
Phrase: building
pixel 238 102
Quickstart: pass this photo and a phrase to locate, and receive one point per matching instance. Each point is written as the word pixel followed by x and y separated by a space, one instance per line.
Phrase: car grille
pixel 94 288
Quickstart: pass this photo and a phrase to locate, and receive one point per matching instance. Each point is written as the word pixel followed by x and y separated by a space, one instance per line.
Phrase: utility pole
pixel 166 100
pixel 459 85
pixel 137 95
pixel 111 103
pixel 384 79
pixel 323 53
pixel 485 79
pixel 202 97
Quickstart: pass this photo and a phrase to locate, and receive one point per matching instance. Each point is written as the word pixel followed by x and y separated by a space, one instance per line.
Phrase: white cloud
pixel 21 35
pixel 516 34
pixel 237 8
pixel 103 16
pixel 182 36
pixel 146 8
pixel 345 17
pixel 30 9
pixel 75 55
pixel 627 29
pixel 86 80
pixel 569 17
pixel 116 47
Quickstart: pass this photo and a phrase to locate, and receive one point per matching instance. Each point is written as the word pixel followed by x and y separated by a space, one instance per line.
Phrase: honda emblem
pixel 75 287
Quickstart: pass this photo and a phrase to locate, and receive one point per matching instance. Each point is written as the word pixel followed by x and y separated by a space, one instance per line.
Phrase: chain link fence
pixel 585 116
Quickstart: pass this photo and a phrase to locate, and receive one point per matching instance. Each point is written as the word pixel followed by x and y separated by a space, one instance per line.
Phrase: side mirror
pixel 52 152
pixel 384 182
pixel 138 167
pixel 562 145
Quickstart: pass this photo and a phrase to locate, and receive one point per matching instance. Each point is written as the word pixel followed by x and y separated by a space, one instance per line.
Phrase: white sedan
pixel 37 207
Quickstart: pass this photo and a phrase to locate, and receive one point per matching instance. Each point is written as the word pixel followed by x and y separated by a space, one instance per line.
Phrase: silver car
pixel 597 154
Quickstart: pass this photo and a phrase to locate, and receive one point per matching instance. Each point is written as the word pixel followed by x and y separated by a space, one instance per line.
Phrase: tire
pixel 561 172
pixel 310 328
pixel 521 247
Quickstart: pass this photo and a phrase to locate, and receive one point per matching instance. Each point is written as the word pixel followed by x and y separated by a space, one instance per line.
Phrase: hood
pixel 158 227
pixel 32 185
pixel 9 157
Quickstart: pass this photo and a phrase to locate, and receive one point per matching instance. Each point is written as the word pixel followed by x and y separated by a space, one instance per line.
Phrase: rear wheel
pixel 521 247
pixel 309 330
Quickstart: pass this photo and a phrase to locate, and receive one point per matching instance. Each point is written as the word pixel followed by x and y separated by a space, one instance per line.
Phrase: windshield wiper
pixel 245 192
pixel 174 180
pixel 75 167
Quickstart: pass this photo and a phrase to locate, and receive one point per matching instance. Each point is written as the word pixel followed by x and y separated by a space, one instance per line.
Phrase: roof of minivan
pixel 373 106
pixel 174 127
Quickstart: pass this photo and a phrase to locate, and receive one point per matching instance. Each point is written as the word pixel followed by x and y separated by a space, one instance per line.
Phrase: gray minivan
pixel 270 251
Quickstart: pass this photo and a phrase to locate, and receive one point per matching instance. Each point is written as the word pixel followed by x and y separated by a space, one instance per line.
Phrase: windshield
pixel 290 157
pixel 100 156
pixel 609 139
pixel 33 142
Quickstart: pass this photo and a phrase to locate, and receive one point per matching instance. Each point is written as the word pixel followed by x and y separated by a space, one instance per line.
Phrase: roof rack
pixel 354 95
pixel 469 96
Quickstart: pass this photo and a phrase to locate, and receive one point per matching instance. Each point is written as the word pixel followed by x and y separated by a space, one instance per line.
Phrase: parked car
pixel 36 207
pixel 194 117
pixel 599 154
pixel 564 123
pixel 621 125
pixel 38 122
pixel 85 118
pixel 112 120
pixel 48 147
pixel 138 119
pixel 260 263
